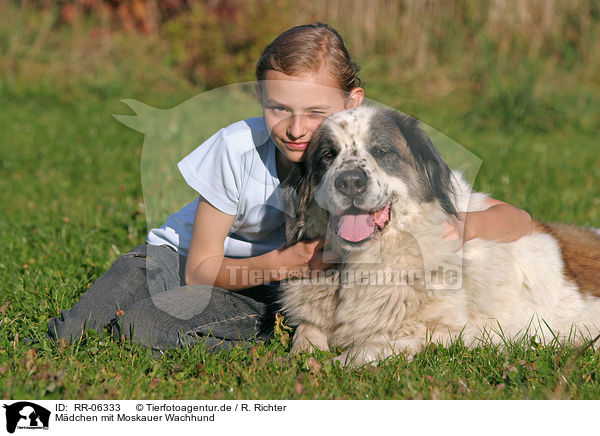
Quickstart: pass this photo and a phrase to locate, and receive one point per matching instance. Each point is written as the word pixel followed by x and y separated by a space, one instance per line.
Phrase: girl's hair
pixel 304 48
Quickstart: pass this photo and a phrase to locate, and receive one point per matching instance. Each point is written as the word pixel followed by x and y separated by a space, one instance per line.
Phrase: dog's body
pixel 376 188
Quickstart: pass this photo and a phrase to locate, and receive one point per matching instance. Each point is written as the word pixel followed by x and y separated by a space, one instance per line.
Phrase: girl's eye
pixel 278 109
pixel 317 115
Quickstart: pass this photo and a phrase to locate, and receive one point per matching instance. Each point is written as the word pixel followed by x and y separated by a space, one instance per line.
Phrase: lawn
pixel 72 196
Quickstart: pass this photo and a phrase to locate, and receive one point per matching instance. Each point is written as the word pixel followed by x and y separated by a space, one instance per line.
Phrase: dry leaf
pixel 313 365
pixel 282 330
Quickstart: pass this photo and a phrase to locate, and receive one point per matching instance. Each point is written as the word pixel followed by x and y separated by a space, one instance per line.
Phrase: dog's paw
pixel 309 338
pixel 373 353
pixel 352 359
pixel 343 359
pixel 407 347
pixel 302 346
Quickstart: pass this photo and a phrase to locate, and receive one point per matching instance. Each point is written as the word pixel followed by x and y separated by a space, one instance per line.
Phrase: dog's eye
pixel 377 151
pixel 329 154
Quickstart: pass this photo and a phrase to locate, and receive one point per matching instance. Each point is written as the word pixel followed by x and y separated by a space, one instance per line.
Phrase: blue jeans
pixel 143 297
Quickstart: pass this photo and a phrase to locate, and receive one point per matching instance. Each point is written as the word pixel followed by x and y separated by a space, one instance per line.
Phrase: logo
pixel 26 415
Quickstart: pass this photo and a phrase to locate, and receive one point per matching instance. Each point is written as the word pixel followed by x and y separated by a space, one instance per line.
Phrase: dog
pixel 375 187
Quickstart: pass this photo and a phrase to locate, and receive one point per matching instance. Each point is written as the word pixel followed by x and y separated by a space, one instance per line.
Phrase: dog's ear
pixel 297 189
pixel 295 198
pixel 429 163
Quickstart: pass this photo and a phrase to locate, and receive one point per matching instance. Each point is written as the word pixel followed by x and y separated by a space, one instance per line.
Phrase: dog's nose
pixel 351 182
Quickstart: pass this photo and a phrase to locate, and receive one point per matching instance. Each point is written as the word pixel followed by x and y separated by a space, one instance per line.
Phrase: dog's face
pixel 368 167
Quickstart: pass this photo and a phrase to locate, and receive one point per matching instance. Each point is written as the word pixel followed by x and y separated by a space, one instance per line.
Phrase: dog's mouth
pixel 357 225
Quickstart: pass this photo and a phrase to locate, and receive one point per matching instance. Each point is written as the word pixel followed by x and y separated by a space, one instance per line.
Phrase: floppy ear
pixel 430 164
pixel 294 191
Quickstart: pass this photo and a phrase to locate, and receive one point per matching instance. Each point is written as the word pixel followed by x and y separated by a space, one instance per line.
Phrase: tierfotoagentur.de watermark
pixel 437 278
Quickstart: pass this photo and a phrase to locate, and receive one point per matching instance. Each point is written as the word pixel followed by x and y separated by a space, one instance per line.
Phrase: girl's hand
pixel 300 259
pixel 453 229
pixel 501 222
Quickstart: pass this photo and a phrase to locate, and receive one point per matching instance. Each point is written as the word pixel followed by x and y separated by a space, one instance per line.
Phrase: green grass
pixel 72 195
pixel 72 201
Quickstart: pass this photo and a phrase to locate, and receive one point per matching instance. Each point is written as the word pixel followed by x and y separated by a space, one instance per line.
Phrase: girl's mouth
pixel 296 145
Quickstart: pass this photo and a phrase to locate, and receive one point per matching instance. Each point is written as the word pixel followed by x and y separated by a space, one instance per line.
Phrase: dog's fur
pixel 546 284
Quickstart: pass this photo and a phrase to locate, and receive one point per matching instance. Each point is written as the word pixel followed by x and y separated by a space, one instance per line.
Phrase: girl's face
pixel 294 106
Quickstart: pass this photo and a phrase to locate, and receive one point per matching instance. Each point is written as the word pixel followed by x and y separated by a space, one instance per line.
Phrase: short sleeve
pixel 211 170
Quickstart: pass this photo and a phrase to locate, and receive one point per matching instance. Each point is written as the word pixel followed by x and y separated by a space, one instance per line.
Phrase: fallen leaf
pixel 282 330
pixel 313 365
pixel 462 386
pixel 29 358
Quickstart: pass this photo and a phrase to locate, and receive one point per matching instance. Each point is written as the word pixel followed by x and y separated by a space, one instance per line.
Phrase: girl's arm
pixel 501 222
pixel 206 263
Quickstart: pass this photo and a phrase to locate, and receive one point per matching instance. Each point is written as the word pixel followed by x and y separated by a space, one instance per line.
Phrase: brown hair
pixel 305 48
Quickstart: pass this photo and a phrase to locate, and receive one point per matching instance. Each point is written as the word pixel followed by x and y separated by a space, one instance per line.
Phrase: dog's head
pixel 365 168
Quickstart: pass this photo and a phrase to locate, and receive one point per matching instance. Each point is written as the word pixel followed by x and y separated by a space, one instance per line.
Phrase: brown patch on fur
pixel 540 227
pixel 580 249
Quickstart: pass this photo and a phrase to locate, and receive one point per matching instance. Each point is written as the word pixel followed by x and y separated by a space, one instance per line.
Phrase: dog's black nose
pixel 351 182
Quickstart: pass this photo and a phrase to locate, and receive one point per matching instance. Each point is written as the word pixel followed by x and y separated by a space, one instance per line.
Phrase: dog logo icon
pixel 28 415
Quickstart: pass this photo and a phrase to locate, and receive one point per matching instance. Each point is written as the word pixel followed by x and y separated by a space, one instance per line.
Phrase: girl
pixel 207 273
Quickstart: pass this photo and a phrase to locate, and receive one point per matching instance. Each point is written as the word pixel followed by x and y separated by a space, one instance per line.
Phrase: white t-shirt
pixel 235 171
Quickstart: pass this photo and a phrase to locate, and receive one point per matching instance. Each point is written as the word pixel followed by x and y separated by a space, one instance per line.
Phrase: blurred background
pixel 512 56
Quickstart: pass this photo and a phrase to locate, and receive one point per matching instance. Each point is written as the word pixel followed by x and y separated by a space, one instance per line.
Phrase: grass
pixel 72 201
pixel 72 204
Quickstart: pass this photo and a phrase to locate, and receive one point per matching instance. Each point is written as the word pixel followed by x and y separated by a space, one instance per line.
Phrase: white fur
pixel 507 291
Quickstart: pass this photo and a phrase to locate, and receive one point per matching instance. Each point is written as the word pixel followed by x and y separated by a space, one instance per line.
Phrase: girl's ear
pixel 355 98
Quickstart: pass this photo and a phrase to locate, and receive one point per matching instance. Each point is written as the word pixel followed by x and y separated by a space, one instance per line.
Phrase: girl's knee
pixel 146 325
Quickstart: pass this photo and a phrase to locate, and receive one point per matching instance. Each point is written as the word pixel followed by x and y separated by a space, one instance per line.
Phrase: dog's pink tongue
pixel 355 228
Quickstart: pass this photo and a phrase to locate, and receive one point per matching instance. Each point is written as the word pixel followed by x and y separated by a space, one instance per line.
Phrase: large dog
pixel 373 184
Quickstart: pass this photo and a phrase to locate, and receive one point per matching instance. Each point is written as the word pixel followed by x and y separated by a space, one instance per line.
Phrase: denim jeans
pixel 143 297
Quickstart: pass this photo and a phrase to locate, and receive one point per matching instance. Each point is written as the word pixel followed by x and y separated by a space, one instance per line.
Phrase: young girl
pixel 207 274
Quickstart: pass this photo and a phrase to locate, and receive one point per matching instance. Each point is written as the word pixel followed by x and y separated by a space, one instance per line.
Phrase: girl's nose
pixel 296 127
